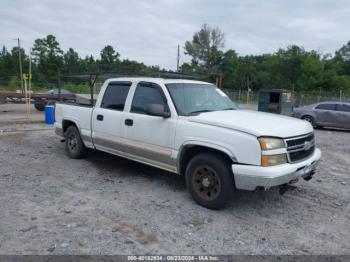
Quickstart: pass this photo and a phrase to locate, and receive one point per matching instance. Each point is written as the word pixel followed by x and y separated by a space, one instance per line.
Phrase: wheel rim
pixel 72 142
pixel 206 183
pixel 309 119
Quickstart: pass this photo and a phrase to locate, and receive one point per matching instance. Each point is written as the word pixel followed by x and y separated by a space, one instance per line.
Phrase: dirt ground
pixel 104 204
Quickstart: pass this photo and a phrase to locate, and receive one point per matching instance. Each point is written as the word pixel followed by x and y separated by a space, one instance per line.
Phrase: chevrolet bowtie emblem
pixel 307 145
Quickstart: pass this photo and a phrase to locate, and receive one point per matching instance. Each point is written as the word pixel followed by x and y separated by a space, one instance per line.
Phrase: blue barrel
pixel 49 114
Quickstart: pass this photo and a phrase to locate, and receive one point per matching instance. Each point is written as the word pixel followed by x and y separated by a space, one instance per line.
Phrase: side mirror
pixel 157 110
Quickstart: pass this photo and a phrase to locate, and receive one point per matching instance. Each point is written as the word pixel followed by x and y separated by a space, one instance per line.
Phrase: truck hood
pixel 255 123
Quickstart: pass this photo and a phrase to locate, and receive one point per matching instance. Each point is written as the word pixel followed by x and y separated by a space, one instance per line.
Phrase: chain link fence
pixel 301 98
pixel 81 85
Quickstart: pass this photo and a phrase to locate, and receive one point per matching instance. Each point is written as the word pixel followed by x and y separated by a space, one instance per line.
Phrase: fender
pixel 208 144
pixel 85 136
pixel 72 119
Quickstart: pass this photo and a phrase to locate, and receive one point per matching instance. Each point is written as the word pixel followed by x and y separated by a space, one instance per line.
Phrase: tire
pixel 39 105
pixel 310 119
pixel 75 147
pixel 209 180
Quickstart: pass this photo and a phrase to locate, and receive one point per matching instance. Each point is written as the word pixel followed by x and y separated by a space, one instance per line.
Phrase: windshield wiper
pixel 199 111
pixel 230 108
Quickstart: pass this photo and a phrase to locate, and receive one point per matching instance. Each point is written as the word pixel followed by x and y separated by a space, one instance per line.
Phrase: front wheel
pixel 310 119
pixel 75 147
pixel 209 180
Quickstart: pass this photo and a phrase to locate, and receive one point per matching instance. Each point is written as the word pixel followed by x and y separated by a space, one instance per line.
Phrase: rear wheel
pixel 209 180
pixel 75 147
pixel 39 105
pixel 310 119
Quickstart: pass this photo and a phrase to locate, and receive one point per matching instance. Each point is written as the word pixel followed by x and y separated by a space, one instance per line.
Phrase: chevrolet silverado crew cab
pixel 193 129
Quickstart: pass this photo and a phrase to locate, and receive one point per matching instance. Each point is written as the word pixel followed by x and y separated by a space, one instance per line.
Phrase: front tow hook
pixel 309 176
pixel 285 187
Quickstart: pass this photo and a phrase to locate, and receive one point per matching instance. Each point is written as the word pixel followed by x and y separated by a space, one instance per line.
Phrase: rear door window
pixel 326 107
pixel 115 95
pixel 343 107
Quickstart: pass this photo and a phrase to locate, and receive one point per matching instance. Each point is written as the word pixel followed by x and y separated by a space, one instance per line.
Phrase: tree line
pixel 51 66
pixel 289 68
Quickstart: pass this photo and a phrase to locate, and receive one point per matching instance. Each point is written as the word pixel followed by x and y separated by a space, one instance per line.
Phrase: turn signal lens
pixel 264 160
pixel 273 160
pixel 262 143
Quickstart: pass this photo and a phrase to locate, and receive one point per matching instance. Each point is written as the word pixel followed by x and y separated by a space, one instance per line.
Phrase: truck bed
pixel 77 113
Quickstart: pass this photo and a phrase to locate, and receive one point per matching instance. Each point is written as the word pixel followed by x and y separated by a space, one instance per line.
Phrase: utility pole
pixel 248 89
pixel 221 79
pixel 59 84
pixel 20 62
pixel 320 94
pixel 25 78
pixel 178 58
pixel 30 78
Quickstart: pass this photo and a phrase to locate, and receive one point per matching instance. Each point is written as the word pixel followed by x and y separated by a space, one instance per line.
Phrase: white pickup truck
pixel 193 129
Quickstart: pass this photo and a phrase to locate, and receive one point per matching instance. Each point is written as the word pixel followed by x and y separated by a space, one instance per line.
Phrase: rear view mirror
pixel 157 110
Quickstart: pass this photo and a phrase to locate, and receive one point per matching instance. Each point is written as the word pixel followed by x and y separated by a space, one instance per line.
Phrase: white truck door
pixel 107 126
pixel 149 138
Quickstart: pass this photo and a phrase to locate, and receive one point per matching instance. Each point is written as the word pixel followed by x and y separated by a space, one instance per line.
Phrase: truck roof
pixel 158 80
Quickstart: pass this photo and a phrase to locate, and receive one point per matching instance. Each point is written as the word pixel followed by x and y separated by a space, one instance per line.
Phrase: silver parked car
pixel 325 114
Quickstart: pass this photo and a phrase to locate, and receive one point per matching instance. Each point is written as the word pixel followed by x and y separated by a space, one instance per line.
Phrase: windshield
pixel 191 98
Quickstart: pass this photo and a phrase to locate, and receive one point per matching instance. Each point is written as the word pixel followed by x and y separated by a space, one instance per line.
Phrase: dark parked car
pixel 325 114
pixel 51 96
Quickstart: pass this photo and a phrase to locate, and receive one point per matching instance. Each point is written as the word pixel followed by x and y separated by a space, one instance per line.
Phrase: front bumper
pixel 250 177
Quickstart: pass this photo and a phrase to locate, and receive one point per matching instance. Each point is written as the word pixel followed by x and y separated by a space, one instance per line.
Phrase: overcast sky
pixel 149 31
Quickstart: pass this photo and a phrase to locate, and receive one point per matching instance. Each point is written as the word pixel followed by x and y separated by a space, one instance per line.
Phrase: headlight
pixel 268 143
pixel 273 160
pixel 271 143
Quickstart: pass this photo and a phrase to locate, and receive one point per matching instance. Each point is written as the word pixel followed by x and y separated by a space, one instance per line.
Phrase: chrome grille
pixel 301 147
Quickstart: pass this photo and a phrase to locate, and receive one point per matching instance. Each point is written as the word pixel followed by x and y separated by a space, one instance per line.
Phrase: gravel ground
pixel 15 113
pixel 104 204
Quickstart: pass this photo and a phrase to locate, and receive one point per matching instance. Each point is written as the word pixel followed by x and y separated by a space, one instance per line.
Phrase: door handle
pixel 129 122
pixel 99 117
